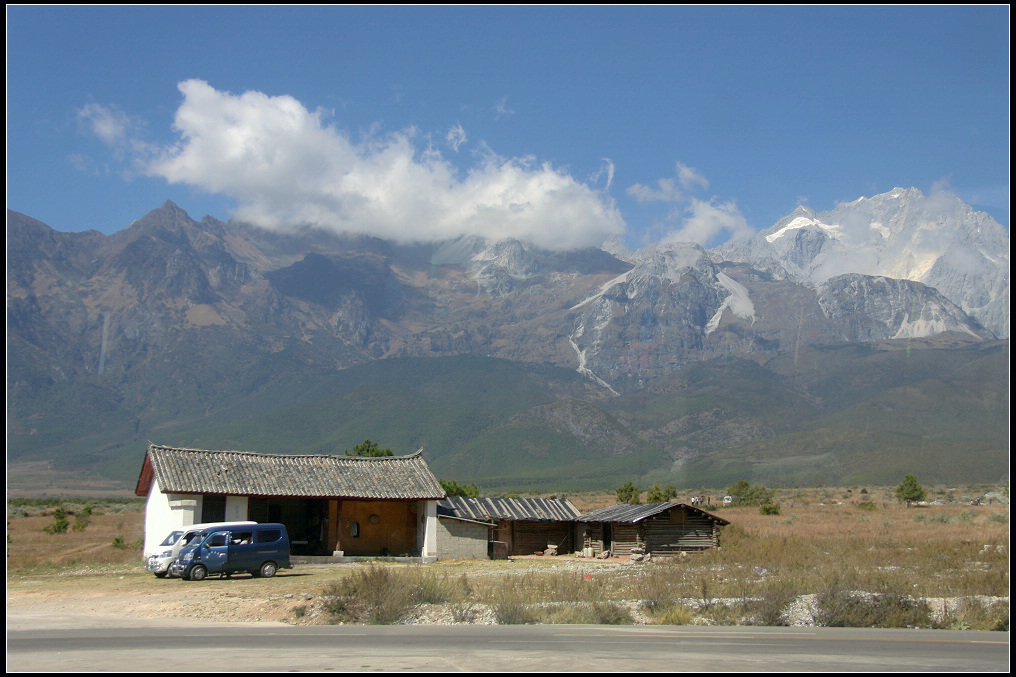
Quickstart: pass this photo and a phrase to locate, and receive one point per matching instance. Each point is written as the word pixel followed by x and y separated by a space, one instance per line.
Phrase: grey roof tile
pixel 526 509
pixel 636 513
pixel 244 473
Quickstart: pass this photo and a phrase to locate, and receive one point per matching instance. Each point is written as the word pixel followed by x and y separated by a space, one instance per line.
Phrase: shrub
pixel 974 614
pixel 510 603
pixel 673 614
pixel 628 493
pixel 608 613
pixel 910 490
pixel 842 607
pixel 372 595
pixel 57 527
pixel 870 506
pixel 770 608
pixel 655 588
pixel 769 509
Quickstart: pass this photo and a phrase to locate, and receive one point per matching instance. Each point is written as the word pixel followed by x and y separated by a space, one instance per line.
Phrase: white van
pixel 158 560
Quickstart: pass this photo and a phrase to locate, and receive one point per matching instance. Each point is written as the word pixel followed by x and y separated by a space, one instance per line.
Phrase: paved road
pixel 39 643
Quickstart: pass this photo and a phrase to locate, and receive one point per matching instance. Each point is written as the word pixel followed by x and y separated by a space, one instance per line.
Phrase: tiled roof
pixel 636 513
pixel 527 509
pixel 243 473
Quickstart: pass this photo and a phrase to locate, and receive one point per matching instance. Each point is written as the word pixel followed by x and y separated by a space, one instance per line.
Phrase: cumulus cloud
pixel 690 219
pixel 287 167
pixel 706 222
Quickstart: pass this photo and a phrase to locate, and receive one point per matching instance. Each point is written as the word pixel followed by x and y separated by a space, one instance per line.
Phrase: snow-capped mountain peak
pixel 937 240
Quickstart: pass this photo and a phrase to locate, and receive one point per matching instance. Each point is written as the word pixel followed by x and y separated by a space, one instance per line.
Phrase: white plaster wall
pixel 165 512
pixel 427 529
pixel 236 508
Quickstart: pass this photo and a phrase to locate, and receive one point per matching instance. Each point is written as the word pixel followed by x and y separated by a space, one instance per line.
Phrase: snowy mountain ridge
pixel 937 240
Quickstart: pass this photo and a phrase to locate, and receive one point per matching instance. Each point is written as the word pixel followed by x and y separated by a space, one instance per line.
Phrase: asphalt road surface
pixel 41 643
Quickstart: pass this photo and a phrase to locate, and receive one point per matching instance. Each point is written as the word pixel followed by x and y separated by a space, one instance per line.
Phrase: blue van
pixel 257 549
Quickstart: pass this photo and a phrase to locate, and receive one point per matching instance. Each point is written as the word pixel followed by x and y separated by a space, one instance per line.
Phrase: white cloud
pixel 708 222
pixel 501 109
pixel 667 191
pixel 690 177
pixel 455 137
pixel 116 129
pixel 107 123
pixel 285 167
pixel 606 169
pixel 690 219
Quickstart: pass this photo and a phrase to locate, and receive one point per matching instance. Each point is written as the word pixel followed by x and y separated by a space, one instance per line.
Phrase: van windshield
pixel 192 538
pixel 173 537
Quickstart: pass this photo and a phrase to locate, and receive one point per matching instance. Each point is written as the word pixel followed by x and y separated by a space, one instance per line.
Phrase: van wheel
pixel 198 573
pixel 267 570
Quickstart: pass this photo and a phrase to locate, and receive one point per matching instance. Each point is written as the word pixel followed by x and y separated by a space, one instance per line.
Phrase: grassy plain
pixel 827 543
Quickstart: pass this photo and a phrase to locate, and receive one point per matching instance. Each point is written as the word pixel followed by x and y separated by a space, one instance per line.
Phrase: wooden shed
pixel 525 525
pixel 659 529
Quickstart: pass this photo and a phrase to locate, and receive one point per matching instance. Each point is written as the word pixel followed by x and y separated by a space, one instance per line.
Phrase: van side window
pixel 268 535
pixel 240 537
pixel 217 539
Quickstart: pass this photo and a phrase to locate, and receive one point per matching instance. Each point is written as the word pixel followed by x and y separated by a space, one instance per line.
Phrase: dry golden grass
pixel 820 543
pixel 29 547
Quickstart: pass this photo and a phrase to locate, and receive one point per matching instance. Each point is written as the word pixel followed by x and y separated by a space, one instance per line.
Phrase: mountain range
pixel 776 357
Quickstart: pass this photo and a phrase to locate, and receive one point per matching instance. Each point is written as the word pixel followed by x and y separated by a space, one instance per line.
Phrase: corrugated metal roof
pixel 636 513
pixel 244 473
pixel 527 509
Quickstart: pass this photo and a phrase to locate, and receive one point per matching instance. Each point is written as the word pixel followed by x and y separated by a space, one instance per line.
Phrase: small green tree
pixel 655 494
pixel 368 448
pixel 629 493
pixel 453 488
pixel 746 493
pixel 669 492
pixel 910 490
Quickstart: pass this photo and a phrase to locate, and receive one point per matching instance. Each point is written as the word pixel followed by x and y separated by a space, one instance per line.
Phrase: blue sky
pixel 563 125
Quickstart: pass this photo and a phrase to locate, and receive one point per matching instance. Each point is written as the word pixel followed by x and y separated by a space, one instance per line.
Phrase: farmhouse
pixel 348 505
pixel 523 525
pixel 656 528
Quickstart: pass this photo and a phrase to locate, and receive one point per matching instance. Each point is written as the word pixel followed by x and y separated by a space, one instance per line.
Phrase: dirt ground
pixel 97 570
pixel 293 596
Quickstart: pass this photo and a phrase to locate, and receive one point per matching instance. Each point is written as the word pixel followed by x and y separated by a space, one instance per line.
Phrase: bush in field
pixel 629 493
pixel 974 614
pixel 910 490
pixel 769 509
pixel 771 606
pixel 597 613
pixel 372 595
pixel 658 495
pixel 60 522
pixel 746 493
pixel 673 614
pixel 840 606
pixel 510 602
pixel 867 505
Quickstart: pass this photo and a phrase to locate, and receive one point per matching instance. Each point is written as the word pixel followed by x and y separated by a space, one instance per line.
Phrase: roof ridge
pixel 416 454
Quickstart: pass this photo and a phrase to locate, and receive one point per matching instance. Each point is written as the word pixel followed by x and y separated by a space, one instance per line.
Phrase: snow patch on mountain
pixel 739 303
pixel 620 279
pixel 800 222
